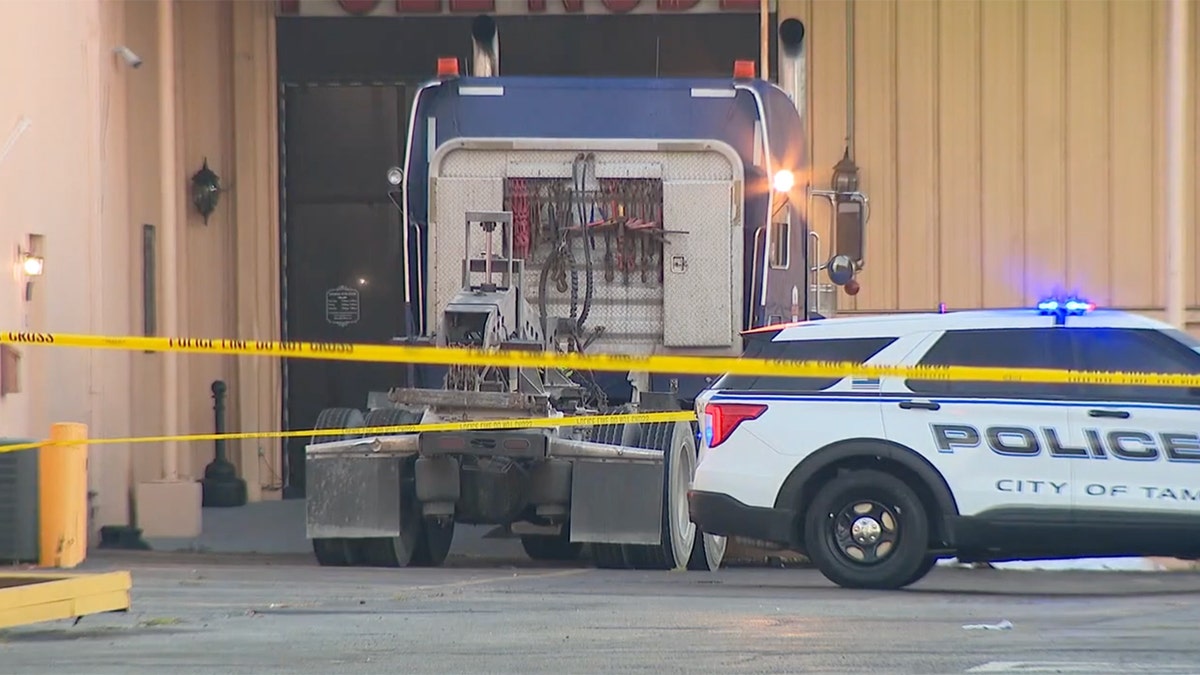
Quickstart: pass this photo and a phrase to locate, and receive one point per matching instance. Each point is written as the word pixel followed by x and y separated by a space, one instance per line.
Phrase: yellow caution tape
pixel 520 423
pixel 657 363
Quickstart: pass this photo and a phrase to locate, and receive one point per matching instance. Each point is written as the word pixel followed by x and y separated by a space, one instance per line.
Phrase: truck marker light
pixel 743 70
pixel 721 419
pixel 447 66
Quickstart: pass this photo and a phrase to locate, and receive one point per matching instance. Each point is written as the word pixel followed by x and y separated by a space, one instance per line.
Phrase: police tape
pixel 366 432
pixel 656 363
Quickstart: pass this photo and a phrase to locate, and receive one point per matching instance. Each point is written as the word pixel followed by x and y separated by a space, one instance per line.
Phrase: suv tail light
pixel 720 419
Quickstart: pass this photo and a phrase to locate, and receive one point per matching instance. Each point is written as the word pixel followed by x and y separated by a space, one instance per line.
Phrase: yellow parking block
pixel 37 597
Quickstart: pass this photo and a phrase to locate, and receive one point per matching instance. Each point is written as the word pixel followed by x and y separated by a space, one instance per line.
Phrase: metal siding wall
pixel 1009 148
pixel 960 283
pixel 1045 146
pixel 875 95
pixel 917 204
pixel 1132 155
pixel 1002 131
pixel 1193 163
pixel 1088 223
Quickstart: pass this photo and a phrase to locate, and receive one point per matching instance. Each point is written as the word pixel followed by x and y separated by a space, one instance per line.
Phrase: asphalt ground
pixel 257 614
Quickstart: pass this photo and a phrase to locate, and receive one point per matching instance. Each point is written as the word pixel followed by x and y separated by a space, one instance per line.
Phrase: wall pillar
pixel 257 391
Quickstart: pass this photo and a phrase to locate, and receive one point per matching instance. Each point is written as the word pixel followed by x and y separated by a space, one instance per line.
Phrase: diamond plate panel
pixel 452 198
pixel 696 165
pixel 698 283
pixel 631 312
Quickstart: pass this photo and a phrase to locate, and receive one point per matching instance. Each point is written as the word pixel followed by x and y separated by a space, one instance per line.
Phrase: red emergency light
pixel 447 66
pixel 743 70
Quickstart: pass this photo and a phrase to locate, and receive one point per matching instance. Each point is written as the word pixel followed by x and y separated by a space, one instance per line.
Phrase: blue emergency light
pixel 1064 307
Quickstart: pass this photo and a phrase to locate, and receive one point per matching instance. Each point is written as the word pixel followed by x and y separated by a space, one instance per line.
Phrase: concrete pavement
pixel 282 614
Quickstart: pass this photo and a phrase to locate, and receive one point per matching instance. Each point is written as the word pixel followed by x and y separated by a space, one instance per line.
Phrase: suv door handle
pixel 920 405
pixel 1119 414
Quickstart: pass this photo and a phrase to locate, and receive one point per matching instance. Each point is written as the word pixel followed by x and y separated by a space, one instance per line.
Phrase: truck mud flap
pixel 615 502
pixel 354 496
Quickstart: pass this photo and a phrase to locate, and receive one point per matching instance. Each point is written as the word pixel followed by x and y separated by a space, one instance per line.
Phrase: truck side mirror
pixel 850 211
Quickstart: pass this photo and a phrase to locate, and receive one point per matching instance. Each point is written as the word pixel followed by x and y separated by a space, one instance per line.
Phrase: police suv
pixel 874 480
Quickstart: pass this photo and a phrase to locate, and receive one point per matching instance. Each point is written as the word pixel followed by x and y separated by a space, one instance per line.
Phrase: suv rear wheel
pixel 868 529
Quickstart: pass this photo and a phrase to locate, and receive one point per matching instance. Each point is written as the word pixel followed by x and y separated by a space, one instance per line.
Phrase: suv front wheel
pixel 868 529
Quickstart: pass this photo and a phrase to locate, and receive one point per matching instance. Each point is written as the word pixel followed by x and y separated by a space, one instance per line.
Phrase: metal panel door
pixel 698 274
pixel 343 269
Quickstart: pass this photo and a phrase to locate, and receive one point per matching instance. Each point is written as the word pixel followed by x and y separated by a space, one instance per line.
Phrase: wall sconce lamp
pixel 32 265
pixel 206 190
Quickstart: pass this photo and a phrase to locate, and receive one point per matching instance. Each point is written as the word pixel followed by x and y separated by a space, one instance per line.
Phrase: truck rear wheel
pixel 433 542
pixel 333 552
pixel 338 552
pixel 403 550
pixel 552 547
pixel 709 551
pixel 612 556
pixel 678 538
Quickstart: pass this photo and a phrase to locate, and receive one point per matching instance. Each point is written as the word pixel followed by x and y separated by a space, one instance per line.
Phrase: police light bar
pixel 1063 306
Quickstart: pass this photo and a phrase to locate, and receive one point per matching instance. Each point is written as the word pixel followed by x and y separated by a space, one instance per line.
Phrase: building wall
pixel 1008 148
pixel 83 173
pixel 224 93
pixel 64 179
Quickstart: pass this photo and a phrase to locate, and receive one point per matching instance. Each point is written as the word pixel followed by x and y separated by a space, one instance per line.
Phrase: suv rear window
pixel 853 350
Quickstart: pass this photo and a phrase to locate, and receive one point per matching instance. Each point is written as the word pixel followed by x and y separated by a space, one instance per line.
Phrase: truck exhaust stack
pixel 792 68
pixel 485 47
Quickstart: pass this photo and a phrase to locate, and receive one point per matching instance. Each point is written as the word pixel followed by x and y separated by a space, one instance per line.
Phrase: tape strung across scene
pixel 657 363
pixel 366 432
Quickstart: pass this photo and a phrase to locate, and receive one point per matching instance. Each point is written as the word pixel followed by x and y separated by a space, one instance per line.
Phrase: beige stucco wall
pixel 65 179
pixel 1007 147
pixel 85 175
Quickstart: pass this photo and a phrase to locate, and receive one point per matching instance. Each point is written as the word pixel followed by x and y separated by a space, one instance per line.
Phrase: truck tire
pixel 349 419
pixel 611 556
pixel 678 444
pixel 332 552
pixel 557 547
pixel 868 529
pixel 391 417
pixel 433 542
pixel 397 551
pixel 708 553
pixel 338 552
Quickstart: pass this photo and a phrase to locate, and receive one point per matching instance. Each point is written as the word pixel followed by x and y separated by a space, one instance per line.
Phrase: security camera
pixel 126 54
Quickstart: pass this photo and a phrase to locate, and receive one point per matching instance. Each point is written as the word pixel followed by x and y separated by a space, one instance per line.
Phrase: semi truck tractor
pixel 595 215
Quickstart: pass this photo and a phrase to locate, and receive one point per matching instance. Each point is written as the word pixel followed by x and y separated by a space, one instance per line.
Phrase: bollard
pixel 62 497
pixel 221 486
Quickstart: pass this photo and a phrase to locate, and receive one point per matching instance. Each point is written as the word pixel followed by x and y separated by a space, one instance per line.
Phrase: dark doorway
pixel 343 277
pixel 347 89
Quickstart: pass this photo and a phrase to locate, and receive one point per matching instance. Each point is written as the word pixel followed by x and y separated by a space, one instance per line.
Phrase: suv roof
pixel 900 324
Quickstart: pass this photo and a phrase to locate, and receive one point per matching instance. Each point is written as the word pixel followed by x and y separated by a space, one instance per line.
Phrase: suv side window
pixel 997 348
pixel 1135 350
pixel 854 350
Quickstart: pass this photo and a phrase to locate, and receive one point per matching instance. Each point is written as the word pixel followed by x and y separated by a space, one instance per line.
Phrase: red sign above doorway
pixel 394 8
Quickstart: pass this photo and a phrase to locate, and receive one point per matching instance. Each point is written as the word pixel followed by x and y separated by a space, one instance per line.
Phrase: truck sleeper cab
pixel 530 166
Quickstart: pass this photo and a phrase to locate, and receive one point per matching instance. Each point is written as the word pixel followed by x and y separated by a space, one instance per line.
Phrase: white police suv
pixel 874 480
